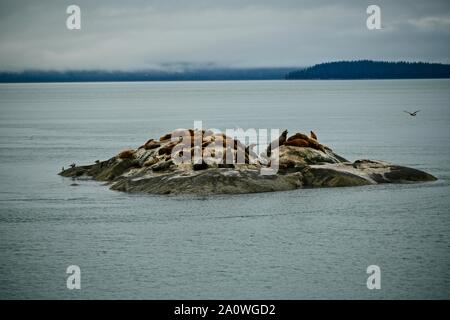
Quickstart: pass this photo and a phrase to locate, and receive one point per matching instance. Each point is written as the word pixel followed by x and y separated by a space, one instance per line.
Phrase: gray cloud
pixel 139 34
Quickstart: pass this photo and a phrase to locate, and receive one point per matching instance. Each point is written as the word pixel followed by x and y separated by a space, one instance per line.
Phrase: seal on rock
pixel 167 149
pixel 311 142
pixel 126 154
pixel 298 135
pixel 314 144
pixel 165 137
pixel 300 162
pixel 297 143
pixel 151 162
pixel 151 144
pixel 281 140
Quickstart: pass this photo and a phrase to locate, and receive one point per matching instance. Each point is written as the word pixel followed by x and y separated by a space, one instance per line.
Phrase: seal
pixel 281 140
pixel 315 145
pixel 151 162
pixel 298 136
pixel 126 154
pixel 297 143
pixel 165 137
pixel 162 165
pixel 151 144
pixel 167 149
pixel 311 141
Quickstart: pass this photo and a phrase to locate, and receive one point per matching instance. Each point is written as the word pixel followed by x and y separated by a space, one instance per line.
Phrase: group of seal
pixel 203 144
pixel 297 140
pixel 212 146
pixel 301 162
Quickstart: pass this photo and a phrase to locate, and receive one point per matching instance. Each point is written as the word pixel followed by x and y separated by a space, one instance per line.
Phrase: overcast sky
pixel 137 34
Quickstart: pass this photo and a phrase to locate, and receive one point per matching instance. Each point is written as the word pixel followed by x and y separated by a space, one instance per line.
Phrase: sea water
pixel 307 243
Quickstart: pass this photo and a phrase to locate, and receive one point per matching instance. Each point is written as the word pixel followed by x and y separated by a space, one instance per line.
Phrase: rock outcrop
pixel 205 163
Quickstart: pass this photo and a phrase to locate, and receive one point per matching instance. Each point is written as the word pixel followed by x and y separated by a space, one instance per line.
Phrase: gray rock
pixel 299 167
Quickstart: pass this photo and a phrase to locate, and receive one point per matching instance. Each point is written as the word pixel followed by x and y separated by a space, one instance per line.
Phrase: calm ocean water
pixel 314 243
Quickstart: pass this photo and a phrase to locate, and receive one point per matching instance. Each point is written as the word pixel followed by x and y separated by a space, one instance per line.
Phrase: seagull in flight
pixel 413 114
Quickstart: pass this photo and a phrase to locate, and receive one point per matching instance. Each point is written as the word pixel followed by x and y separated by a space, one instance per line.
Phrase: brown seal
pixel 126 154
pixel 297 143
pixel 314 144
pixel 150 162
pixel 298 136
pixel 151 144
pixel 167 149
pixel 312 141
pixel 281 140
pixel 165 137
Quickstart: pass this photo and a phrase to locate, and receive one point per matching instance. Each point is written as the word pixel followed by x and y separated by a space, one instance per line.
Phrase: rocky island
pixel 219 164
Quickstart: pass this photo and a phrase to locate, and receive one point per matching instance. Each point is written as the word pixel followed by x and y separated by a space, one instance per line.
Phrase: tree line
pixel 367 69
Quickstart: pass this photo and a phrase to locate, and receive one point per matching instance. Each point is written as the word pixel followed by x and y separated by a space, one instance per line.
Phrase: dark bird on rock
pixel 413 114
pixel 313 135
pixel 73 165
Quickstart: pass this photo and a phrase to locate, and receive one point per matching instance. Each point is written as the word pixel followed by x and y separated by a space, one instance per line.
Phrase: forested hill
pixel 366 69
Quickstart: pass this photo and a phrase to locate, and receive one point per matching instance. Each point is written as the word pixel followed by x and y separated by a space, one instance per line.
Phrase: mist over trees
pixel 146 75
pixel 367 69
pixel 363 69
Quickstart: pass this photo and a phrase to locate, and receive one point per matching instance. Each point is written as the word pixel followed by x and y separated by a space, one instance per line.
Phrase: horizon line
pixel 179 68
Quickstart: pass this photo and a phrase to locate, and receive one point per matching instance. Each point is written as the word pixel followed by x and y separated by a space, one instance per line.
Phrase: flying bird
pixel 413 114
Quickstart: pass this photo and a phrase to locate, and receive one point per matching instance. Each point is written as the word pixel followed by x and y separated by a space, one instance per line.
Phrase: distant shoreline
pixel 202 81
pixel 368 69
pixel 341 70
